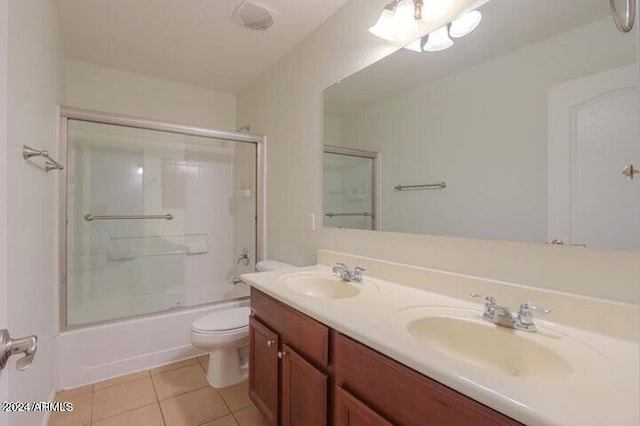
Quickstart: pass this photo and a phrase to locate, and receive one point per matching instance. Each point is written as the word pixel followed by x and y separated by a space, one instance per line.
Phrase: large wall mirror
pixel 525 130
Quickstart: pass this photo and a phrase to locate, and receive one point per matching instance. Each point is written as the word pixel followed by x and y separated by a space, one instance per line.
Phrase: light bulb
pixel 432 10
pixel 465 24
pixel 438 40
pixel 415 46
pixel 384 27
pixel 404 21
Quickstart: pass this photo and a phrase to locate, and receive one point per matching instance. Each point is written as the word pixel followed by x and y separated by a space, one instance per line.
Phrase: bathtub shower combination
pixel 155 220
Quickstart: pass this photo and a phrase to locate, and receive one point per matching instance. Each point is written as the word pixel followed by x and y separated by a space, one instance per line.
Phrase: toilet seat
pixel 223 322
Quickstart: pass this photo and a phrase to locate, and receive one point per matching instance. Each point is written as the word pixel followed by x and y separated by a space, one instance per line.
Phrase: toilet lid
pixel 227 319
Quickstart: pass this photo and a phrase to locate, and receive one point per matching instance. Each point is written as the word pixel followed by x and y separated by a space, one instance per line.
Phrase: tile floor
pixel 173 395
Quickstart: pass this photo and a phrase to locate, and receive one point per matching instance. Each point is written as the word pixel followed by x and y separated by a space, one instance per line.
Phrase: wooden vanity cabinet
pixel 381 390
pixel 288 364
pixel 301 373
pixel 263 358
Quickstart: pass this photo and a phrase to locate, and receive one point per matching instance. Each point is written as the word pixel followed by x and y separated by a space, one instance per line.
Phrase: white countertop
pixel 604 388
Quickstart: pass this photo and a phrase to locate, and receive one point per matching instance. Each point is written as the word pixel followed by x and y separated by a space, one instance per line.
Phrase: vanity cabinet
pixel 303 373
pixel 288 364
pixel 263 358
pixel 373 389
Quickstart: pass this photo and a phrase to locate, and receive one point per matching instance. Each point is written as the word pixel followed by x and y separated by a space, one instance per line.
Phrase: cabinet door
pixel 304 391
pixel 263 370
pixel 350 411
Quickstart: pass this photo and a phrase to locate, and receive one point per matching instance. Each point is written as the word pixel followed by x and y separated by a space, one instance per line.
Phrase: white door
pixel 4 382
pixel 4 19
pixel 593 135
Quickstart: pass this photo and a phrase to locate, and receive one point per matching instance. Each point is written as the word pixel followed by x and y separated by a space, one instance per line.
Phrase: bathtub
pixel 104 351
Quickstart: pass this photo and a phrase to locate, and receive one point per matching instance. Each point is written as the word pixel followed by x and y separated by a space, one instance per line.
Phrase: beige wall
pixel 285 103
pixel 105 89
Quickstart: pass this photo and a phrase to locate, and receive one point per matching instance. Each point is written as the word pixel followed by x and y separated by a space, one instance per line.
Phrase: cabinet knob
pixel 270 342
pixel 281 354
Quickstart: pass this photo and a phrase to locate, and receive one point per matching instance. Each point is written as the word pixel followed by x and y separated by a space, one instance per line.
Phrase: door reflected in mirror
pixel 530 122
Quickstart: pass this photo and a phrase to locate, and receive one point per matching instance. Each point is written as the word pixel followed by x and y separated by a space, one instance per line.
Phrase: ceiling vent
pixel 253 15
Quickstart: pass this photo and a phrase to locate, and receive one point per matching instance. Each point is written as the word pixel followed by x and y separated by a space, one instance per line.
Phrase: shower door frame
pixel 375 178
pixel 70 113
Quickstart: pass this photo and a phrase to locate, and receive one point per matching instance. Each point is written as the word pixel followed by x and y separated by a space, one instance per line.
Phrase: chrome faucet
pixel 503 316
pixel 345 274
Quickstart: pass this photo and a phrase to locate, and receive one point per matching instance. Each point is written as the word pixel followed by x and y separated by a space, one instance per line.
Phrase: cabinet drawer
pixel 299 331
pixel 402 395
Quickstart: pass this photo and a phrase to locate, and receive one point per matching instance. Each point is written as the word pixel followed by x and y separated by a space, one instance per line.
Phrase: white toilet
pixel 225 335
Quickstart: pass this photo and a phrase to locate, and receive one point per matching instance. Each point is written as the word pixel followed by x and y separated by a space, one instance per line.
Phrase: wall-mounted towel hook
pixel 50 163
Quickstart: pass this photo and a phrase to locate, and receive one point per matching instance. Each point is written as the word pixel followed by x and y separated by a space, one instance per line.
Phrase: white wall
pixel 286 104
pixel 482 130
pixel 109 90
pixel 4 32
pixel 34 89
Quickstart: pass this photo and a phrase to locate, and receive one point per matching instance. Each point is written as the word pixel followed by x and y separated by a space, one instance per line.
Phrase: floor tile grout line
pixel 235 418
pixel 224 401
pixel 93 386
pixel 175 369
pixel 157 401
pixel 93 393
pixel 124 412
pixel 155 392
pixel 201 366
pixel 195 358
pixel 217 418
pixel 182 393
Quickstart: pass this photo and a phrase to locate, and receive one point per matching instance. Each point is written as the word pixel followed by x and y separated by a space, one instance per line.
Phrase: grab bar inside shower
pixel 365 214
pixel 89 217
pixel 439 185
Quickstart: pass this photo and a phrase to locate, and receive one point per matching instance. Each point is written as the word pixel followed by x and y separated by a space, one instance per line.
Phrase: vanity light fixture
pixel 400 18
pixel 432 10
pixel 465 24
pixel 416 45
pixel 384 27
pixel 440 39
pixel 404 21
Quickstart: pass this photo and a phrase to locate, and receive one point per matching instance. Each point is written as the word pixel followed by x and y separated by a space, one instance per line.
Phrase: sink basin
pixel 463 335
pixel 324 285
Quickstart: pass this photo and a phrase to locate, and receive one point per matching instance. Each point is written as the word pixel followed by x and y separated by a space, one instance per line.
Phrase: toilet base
pixel 227 367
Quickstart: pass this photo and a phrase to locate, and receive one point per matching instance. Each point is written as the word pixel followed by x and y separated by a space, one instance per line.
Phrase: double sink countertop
pixel 559 375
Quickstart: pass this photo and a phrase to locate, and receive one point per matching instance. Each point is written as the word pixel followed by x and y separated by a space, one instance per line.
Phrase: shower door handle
pixel 25 345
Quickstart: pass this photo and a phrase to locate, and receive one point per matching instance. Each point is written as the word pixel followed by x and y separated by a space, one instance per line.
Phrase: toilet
pixel 225 335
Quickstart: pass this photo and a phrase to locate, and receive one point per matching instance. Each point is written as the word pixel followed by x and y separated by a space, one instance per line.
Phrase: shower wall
pixel 124 267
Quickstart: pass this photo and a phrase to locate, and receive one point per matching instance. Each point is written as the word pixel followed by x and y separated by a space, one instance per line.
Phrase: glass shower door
pixel 348 191
pixel 155 220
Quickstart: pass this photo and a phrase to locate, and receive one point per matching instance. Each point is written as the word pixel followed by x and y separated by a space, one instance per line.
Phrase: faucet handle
pixel 357 274
pixel 339 266
pixel 524 306
pixel 525 317
pixel 489 307
pixel 490 299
